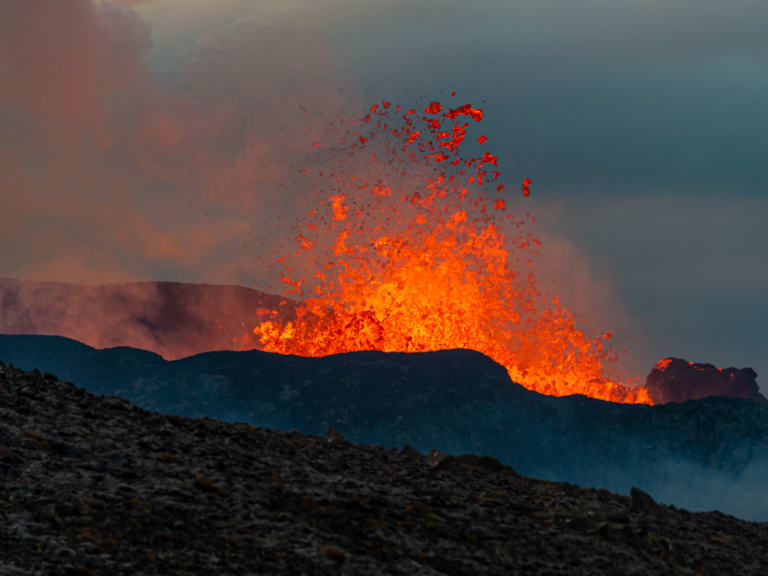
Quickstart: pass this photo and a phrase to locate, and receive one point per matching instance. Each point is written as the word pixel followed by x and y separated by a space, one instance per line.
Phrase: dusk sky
pixel 159 139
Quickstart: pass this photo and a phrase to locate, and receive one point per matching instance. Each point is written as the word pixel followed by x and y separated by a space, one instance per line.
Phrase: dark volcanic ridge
pixel 93 485
pixel 176 320
pixel 701 455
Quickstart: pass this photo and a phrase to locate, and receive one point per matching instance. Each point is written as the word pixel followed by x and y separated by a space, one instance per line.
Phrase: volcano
pixel 176 320
pixel 408 245
pixel 411 314
pixel 702 454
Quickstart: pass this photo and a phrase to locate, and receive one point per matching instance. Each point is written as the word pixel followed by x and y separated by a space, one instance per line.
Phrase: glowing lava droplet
pixel 527 187
pixel 414 249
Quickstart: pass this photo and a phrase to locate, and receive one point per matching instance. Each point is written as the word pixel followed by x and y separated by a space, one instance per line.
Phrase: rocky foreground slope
pixel 94 485
pixel 702 455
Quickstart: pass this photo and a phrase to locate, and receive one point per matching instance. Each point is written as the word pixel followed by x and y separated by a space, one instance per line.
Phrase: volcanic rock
pixel 333 436
pixel 643 502
pixel 677 380
pixel 485 463
pixel 136 492
pixel 411 452
pixel 703 454
pixel 435 457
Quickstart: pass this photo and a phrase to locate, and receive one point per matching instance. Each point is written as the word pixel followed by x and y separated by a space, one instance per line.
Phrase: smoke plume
pixel 110 175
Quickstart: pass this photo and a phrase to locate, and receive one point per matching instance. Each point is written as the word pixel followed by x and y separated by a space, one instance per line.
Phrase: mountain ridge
pixel 702 454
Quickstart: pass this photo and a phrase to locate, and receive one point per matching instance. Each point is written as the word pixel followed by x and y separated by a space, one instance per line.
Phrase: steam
pixel 109 175
pixel 171 319
pixel 692 486
pixel 564 269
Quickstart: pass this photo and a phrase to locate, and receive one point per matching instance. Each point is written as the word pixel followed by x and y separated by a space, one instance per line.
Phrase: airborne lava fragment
pixel 403 254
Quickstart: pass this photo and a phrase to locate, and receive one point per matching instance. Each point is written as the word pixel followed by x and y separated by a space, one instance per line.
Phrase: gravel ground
pixel 92 485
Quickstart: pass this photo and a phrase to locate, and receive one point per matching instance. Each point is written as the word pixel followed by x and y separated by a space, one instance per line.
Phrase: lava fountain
pixel 411 248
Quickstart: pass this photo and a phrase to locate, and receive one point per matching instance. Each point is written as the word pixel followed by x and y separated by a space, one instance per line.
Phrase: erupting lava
pixel 411 248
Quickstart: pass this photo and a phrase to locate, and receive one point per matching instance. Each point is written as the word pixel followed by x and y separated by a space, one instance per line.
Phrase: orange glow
pixel 415 260
pixel 662 365
pixel 337 204
pixel 526 187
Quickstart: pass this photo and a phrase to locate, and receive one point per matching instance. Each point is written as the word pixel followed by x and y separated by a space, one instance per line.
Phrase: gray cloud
pixel 109 174
pixel 599 27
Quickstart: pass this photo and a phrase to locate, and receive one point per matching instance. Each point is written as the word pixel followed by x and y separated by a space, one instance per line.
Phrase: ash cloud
pixel 109 175
pixel 564 270
pixel 172 319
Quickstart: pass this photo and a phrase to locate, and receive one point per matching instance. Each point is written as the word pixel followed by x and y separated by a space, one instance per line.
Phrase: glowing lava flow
pixel 412 249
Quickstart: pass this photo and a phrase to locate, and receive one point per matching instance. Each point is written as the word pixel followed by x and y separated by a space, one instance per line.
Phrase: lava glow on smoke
pixel 411 248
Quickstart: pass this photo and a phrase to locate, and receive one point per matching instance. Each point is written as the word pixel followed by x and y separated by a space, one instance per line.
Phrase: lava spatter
pixel 418 251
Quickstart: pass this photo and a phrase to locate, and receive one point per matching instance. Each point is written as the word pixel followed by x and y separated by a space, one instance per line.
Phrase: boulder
pixel 677 380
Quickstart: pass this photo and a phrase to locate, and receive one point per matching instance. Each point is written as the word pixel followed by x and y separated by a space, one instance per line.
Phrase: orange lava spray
pixel 412 249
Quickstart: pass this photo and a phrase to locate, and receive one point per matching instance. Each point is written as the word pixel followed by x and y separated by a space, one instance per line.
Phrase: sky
pixel 159 139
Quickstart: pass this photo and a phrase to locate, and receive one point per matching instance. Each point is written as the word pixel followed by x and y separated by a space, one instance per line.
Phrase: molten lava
pixel 411 248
